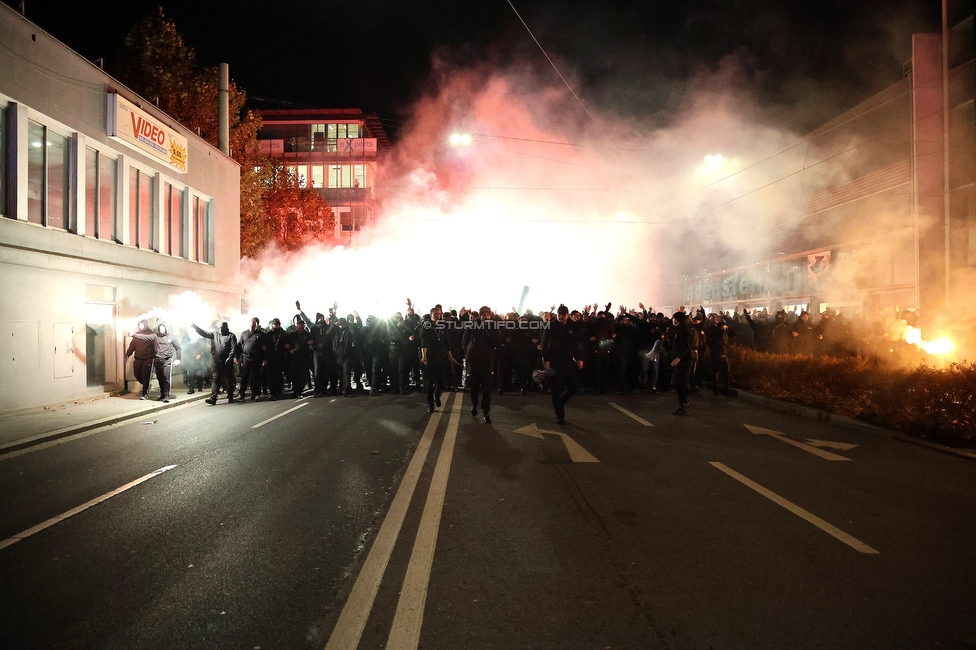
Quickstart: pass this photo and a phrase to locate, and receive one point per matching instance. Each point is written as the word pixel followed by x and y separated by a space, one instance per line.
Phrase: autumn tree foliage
pixel 297 214
pixel 157 63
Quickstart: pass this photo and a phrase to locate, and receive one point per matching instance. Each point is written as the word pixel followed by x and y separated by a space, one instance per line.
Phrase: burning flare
pixel 942 345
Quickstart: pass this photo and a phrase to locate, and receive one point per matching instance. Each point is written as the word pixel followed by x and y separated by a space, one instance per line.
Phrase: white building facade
pixel 109 209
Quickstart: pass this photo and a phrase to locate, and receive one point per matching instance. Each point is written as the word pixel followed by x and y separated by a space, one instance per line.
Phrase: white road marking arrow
pixel 843 446
pixel 576 453
pixel 779 435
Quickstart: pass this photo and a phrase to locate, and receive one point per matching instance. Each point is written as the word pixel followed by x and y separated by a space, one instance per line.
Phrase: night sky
pixel 628 58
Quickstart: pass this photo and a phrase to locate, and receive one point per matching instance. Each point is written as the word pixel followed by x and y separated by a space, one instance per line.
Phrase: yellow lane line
pixel 405 632
pixel 352 620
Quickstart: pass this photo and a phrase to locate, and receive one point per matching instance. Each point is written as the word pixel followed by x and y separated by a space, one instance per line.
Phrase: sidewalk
pixel 22 429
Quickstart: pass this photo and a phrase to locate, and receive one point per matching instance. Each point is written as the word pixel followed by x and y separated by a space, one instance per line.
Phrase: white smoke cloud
pixel 580 210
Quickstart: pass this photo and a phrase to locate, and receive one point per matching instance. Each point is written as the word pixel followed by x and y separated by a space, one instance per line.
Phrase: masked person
pixel 167 353
pixel 223 345
pixel 410 329
pixel 275 347
pixel 344 352
pixel 249 357
pixel 301 344
pixel 680 359
pixel 323 362
pixel 143 349
pixel 560 354
pixel 435 357
pixel 193 364
pixel 718 333
pixel 480 344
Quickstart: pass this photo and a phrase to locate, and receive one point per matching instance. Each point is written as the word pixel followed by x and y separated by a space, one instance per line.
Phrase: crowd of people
pixel 560 351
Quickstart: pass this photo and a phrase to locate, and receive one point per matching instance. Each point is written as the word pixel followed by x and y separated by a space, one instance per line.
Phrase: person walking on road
pixel 167 354
pixel 680 359
pixel 223 345
pixel 480 345
pixel 249 357
pixel 435 356
pixel 142 348
pixel 561 356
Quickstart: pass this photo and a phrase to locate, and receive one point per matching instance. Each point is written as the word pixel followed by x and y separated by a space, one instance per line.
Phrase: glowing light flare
pixel 713 164
pixel 188 307
pixel 460 139
pixel 713 168
pixel 940 346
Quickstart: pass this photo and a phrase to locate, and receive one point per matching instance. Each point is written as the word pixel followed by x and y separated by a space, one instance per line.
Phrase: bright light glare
pixel 460 139
pixel 713 163
pixel 939 346
pixel 188 307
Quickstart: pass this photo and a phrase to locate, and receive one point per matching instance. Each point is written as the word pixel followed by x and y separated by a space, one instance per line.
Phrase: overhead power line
pixel 550 60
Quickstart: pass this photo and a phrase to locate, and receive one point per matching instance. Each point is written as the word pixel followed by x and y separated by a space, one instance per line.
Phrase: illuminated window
pixel 202 228
pixel 47 177
pixel 318 137
pixel 301 172
pixel 347 176
pixel 172 243
pixel 142 210
pixel 101 195
pixel 318 175
pixel 3 160
pixel 330 133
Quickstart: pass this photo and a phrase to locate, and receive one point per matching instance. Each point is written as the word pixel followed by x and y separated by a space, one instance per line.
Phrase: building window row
pixel 325 137
pixel 333 176
pixel 3 158
pixel 160 216
pixel 47 177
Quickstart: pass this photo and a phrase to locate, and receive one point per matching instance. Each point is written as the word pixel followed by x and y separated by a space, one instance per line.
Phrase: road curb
pixel 846 422
pixel 94 424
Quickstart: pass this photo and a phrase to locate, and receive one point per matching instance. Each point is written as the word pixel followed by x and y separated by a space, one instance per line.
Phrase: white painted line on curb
pixel 798 511
pixel 94 502
pixel 405 631
pixel 352 620
pixel 280 415
pixel 636 417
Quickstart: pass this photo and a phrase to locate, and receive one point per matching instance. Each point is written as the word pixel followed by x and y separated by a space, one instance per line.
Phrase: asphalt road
pixel 365 522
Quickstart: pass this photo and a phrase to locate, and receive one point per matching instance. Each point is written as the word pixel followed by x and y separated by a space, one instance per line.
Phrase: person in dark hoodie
pixel 141 347
pixel 249 357
pixel 223 345
pixel 167 354
pixel 480 344
pixel 301 349
pixel 680 359
pixel 274 348
pixel 561 355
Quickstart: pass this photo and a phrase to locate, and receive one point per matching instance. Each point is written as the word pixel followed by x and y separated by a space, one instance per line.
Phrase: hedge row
pixel 937 405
